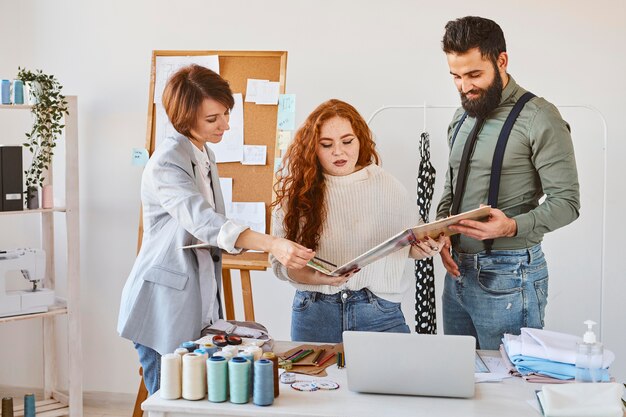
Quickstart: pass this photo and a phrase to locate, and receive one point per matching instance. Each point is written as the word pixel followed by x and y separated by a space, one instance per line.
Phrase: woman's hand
pixel 426 247
pixel 309 276
pixel 290 254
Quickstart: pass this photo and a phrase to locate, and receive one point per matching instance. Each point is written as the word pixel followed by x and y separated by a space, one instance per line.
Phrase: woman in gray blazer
pixel 171 293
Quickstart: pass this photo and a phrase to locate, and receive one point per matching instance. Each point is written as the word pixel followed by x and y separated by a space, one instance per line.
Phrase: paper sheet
pixel 254 155
pixel 249 214
pixel 165 66
pixel 226 184
pixel 162 126
pixel 283 138
pixel 267 93
pixel 287 112
pixel 252 89
pixel 230 148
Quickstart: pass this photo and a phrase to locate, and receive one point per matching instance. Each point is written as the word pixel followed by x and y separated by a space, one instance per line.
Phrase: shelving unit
pixel 56 403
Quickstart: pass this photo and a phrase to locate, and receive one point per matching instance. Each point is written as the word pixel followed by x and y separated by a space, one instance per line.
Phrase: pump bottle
pixel 589 355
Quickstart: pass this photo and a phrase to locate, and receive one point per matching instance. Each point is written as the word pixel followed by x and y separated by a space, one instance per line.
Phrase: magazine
pixel 402 239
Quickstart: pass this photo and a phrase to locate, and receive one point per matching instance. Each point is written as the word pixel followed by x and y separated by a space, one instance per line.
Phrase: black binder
pixel 11 178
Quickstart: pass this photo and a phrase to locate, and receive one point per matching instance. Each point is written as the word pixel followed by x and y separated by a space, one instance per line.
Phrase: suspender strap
pixel 456 132
pixel 498 155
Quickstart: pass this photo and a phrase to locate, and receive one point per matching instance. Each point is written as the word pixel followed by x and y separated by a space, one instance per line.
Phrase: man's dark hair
pixel 470 32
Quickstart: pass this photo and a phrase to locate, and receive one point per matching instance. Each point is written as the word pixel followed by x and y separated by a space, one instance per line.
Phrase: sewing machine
pixel 32 265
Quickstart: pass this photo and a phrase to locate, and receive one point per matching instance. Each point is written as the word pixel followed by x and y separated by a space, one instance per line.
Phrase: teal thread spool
pixel 217 379
pixel 249 356
pixel 5 87
pixel 7 407
pixel 29 405
pixel 238 379
pixel 263 382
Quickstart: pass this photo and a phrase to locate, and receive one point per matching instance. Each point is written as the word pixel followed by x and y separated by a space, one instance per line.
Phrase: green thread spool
pixel 217 378
pixel 239 379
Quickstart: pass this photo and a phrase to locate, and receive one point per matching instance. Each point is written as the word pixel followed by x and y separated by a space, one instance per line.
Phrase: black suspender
pixel 498 155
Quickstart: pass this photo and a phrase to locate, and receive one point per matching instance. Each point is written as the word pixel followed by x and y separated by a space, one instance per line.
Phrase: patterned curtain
pixel 425 311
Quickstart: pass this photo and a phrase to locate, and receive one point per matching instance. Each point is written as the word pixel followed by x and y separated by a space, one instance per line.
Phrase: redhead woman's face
pixel 338 147
pixel 211 123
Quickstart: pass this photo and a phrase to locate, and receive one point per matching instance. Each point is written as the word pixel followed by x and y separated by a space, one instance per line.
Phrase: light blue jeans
pixel 318 317
pixel 495 294
pixel 150 361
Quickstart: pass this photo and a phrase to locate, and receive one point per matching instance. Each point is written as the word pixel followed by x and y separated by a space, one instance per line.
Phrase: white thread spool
pixel 193 376
pixel 226 355
pixel 170 377
pixel 256 351
pixel 232 350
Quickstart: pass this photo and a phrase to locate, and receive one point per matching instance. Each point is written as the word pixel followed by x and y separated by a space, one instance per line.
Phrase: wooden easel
pixel 251 183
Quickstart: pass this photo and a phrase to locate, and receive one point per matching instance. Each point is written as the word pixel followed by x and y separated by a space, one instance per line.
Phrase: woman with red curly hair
pixel 334 198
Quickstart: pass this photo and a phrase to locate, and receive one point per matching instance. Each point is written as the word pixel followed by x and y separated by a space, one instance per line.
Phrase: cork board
pixel 251 183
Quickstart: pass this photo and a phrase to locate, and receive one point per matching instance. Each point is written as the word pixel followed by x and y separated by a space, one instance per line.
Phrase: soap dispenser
pixel 589 355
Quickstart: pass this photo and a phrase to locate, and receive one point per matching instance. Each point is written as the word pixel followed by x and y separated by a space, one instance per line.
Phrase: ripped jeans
pixel 495 294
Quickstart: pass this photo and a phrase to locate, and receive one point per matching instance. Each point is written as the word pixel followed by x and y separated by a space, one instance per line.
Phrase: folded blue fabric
pixel 526 365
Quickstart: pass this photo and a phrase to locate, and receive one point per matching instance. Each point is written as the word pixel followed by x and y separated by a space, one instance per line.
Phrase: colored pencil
pixel 325 261
pixel 293 355
pixel 326 359
pixel 318 355
pixel 302 355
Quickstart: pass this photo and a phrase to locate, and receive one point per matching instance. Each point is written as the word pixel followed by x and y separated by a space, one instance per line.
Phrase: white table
pixel 507 398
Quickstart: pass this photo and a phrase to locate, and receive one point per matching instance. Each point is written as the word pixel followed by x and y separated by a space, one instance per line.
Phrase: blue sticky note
pixel 140 157
pixel 287 112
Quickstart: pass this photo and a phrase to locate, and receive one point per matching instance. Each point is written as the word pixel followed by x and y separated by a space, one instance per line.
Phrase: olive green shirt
pixel 539 159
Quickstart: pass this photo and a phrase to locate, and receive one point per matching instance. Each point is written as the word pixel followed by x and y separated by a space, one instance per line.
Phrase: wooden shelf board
pixel 45 408
pixel 53 311
pixel 55 209
pixel 15 106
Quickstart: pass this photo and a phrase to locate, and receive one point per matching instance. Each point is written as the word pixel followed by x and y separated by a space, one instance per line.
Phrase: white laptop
pixel 410 364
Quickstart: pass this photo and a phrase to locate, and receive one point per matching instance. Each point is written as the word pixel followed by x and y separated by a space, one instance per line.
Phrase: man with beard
pixel 508 149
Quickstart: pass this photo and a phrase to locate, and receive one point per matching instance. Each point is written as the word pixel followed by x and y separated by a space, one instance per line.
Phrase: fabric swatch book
pixel 402 239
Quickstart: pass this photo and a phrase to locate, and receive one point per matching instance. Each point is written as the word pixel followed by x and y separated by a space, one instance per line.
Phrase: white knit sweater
pixel 364 209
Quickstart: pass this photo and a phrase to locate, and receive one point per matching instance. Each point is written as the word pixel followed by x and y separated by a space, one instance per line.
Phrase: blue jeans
pixel 150 361
pixel 318 317
pixel 496 294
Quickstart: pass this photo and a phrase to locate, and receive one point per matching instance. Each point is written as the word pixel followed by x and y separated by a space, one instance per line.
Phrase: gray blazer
pixel 161 305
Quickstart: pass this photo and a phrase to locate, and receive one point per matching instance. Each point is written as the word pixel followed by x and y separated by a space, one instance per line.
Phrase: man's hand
pixel 497 226
pixel 446 258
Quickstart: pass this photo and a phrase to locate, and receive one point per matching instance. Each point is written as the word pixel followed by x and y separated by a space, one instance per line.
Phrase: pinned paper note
pixel 230 148
pixel 226 184
pixel 283 139
pixel 254 155
pixel 140 157
pixel 249 214
pixel 267 93
pixel 277 164
pixel 287 112
pixel 252 89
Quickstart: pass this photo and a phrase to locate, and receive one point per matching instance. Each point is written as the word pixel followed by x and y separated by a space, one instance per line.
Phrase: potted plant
pixel 48 108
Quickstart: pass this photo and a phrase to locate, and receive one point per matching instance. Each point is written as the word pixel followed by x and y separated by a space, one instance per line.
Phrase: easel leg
pixel 229 306
pixel 246 289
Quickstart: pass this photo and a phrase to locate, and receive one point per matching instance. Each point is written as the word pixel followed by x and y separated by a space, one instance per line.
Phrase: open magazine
pixel 402 239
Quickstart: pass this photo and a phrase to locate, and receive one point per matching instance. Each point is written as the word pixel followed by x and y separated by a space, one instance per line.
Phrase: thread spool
pixel 5 91
pixel 190 346
pixel 232 350
pixel 249 356
pixel 7 407
pixel 238 379
pixel 272 357
pixel 193 377
pixel 217 378
pixel 17 94
pixel 210 348
pixel 181 352
pixel 171 383
pixel 263 393
pixel 226 355
pixel 256 351
pixel 205 356
pixel 29 405
pixel 47 196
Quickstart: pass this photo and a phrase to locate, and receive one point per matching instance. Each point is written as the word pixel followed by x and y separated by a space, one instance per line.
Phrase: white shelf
pixel 33 211
pixel 45 408
pixel 53 310
pixel 16 106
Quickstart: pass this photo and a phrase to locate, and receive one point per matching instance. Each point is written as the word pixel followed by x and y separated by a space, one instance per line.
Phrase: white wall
pixel 369 55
